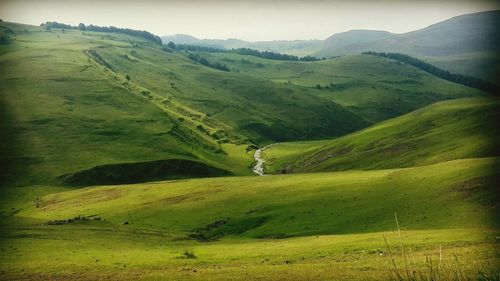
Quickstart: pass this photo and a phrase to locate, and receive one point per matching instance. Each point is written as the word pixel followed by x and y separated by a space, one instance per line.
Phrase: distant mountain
pixel 293 47
pixel 466 44
pixel 351 42
pixel 462 34
pixel 180 39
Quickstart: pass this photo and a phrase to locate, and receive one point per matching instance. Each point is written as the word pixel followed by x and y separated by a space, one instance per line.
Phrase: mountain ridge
pixel 465 44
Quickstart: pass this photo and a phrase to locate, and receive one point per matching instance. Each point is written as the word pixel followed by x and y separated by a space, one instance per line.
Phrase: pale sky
pixel 256 20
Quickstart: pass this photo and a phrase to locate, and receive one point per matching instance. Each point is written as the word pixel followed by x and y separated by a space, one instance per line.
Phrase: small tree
pixel 189 255
pixel 37 202
pixel 127 77
pixel 171 45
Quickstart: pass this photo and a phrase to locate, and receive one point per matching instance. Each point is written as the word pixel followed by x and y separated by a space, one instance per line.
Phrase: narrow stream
pixel 259 165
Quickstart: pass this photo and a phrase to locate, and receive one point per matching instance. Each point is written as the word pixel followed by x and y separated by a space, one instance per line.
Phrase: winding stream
pixel 259 165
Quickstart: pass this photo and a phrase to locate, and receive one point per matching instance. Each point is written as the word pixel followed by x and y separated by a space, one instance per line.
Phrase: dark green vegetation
pixel 84 113
pixel 205 62
pixel 140 33
pixel 141 172
pixel 294 47
pixel 241 51
pixel 453 77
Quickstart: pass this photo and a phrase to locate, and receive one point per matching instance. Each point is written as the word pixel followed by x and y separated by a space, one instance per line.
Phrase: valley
pixel 123 158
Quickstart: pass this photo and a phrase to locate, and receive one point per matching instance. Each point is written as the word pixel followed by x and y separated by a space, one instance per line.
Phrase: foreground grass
pixel 103 252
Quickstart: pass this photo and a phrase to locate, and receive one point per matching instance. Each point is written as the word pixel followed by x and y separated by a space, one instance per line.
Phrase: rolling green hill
pixel 112 98
pixel 97 98
pixel 372 87
pixel 291 205
pixel 462 128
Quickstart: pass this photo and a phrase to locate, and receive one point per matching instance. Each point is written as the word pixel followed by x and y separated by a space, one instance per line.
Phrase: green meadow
pixel 126 160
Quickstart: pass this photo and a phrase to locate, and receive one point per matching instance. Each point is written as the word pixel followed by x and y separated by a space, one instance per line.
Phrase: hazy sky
pixel 249 20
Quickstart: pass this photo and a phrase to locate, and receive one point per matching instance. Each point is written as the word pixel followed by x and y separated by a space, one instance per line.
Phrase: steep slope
pixel 235 103
pixel 463 128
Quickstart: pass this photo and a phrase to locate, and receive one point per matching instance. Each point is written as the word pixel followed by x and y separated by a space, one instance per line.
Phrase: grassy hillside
pixel 74 100
pixel 444 131
pixel 92 85
pixel 374 88
pixel 437 204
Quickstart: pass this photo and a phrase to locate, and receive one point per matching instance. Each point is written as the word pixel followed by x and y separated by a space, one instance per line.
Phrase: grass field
pixel 316 231
pixel 104 253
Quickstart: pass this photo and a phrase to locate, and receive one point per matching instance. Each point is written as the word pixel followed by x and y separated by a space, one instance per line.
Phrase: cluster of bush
pixel 441 73
pixel 271 55
pixel 241 51
pixel 205 62
pixel 141 33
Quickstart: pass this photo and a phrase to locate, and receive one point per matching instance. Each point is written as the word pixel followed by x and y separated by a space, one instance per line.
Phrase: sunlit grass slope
pixel 446 195
pixel 462 128
pixel 110 253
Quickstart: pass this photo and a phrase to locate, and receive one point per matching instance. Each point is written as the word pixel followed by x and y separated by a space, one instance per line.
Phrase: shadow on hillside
pixel 124 173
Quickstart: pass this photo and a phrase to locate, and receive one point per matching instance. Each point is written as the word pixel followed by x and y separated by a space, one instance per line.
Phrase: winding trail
pixel 259 166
